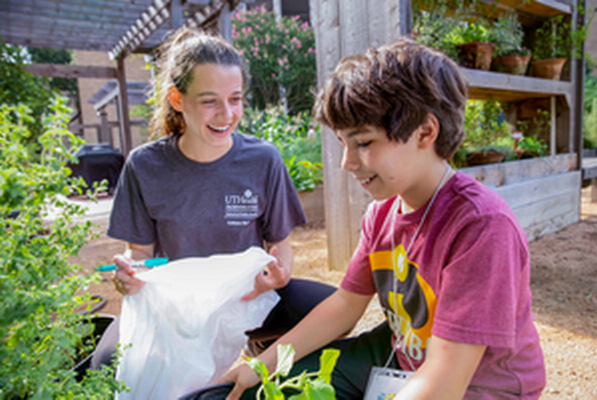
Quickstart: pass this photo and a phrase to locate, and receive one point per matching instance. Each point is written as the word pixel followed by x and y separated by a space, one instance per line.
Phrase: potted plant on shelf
pixel 487 133
pixel 433 22
pixel 529 144
pixel 472 40
pixel 509 54
pixel 556 41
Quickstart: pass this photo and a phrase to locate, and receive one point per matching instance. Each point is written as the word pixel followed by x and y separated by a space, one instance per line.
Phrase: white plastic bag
pixel 186 326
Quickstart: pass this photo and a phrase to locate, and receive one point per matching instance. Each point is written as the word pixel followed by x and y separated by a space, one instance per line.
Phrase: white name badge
pixel 385 383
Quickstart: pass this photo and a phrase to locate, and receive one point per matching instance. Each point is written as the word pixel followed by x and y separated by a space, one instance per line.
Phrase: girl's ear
pixel 428 131
pixel 174 98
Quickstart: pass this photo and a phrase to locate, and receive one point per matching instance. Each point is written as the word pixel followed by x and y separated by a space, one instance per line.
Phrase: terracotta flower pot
pixel 476 55
pixel 550 68
pixel 515 64
pixel 484 157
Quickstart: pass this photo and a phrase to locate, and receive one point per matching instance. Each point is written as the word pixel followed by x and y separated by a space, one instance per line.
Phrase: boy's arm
pixel 447 371
pixel 332 318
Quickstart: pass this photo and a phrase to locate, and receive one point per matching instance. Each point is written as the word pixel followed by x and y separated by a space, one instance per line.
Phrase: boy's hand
pixel 123 277
pixel 274 276
pixel 243 377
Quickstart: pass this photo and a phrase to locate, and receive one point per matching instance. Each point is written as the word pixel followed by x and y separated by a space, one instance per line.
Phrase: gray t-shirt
pixel 192 209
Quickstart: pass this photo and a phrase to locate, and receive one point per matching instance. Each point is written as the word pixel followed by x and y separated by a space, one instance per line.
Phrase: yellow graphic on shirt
pixel 410 309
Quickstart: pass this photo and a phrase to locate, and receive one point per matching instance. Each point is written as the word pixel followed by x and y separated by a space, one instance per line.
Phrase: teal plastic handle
pixel 150 263
pixel 155 262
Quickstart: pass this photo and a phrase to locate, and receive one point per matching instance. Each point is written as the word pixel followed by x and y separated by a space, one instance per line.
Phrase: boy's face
pixel 385 168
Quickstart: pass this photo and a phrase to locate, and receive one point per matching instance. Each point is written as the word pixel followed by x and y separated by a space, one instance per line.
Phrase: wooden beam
pixel 508 87
pixel 107 99
pixel 225 23
pixel 148 22
pixel 70 71
pixel 123 109
pixel 343 28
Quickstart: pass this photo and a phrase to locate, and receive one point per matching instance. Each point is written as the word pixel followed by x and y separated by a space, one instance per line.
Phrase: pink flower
pixel 273 75
pixel 281 62
pixel 249 29
pixel 241 52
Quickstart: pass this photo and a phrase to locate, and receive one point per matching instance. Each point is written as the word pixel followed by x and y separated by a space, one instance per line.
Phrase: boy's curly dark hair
pixel 395 87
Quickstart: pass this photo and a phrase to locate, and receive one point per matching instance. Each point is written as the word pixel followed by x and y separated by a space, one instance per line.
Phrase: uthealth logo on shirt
pixel 246 198
pixel 241 209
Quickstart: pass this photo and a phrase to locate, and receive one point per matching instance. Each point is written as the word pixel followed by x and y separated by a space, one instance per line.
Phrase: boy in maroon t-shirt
pixel 445 254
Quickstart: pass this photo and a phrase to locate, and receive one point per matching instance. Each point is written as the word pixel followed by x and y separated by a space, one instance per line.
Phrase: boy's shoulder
pixel 462 197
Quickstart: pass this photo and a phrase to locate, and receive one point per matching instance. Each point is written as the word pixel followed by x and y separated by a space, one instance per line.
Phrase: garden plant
pixel 280 56
pixel 307 386
pixel 296 137
pixel 41 332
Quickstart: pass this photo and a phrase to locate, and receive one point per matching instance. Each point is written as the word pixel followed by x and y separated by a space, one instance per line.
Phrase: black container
pixel 98 162
pixel 100 324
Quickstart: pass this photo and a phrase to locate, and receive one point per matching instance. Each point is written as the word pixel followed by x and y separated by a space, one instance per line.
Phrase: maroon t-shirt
pixel 465 279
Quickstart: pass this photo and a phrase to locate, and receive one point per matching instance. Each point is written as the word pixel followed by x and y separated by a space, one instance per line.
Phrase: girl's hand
pixel 123 277
pixel 274 276
pixel 243 377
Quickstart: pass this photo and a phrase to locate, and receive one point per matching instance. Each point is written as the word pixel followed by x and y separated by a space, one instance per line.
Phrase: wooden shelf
pixel 507 87
pixel 542 8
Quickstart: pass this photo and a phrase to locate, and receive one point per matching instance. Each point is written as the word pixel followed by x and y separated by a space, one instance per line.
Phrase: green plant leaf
pixel 319 389
pixel 259 367
pixel 285 359
pixel 272 391
pixel 327 362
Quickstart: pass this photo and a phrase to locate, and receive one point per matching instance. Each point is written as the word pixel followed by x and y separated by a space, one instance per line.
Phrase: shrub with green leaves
pixel 19 86
pixel 296 137
pixel 278 54
pixel 41 334
pixel 590 112
pixel 309 386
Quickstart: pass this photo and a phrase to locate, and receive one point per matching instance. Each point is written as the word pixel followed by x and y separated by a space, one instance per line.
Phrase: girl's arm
pixel 446 373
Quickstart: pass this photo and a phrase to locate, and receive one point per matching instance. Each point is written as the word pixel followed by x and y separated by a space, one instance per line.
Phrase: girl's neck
pixel 201 152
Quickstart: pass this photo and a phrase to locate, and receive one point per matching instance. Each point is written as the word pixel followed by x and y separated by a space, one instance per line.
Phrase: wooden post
pixel 123 108
pixel 105 132
pixel 343 28
pixel 225 23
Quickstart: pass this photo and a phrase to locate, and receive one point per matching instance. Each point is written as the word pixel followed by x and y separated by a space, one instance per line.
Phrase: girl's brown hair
pixel 395 87
pixel 177 56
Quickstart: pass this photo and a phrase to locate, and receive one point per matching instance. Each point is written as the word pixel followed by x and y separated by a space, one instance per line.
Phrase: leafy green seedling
pixel 311 386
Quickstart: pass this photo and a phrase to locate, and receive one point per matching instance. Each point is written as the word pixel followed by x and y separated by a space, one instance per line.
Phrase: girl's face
pixel 212 108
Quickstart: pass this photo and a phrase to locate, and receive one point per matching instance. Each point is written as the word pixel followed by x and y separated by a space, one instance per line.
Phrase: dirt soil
pixel 563 282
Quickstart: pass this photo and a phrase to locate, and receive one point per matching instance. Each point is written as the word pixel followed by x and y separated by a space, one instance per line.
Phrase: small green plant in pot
pixel 556 41
pixel 473 44
pixel 487 133
pixel 433 22
pixel 509 54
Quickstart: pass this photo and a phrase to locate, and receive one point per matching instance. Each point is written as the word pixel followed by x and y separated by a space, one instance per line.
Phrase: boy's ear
pixel 174 98
pixel 428 131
